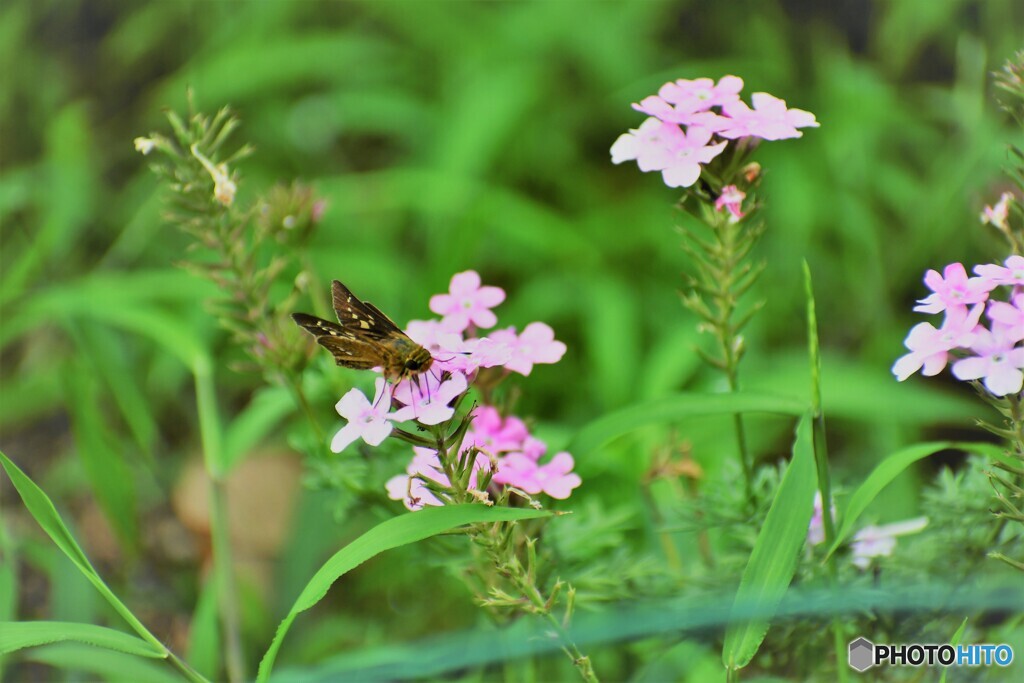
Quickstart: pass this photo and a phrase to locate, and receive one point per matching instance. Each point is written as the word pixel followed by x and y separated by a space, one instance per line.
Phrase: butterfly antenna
pixel 381 397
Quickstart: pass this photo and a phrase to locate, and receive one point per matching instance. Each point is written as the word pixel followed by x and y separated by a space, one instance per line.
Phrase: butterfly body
pixel 365 338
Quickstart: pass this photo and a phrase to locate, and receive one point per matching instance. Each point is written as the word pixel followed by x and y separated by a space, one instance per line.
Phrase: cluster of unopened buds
pixel 691 122
pixel 994 353
pixel 505 454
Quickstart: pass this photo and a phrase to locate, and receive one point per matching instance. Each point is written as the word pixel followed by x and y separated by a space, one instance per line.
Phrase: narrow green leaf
pixel 399 531
pixel 954 641
pixel 203 650
pixel 42 510
pixel 106 665
pixel 774 558
pixel 100 452
pixel 677 407
pixel 15 635
pixel 891 467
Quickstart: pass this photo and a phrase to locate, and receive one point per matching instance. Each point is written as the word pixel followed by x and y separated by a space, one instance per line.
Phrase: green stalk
pixel 821 460
pixel 212 439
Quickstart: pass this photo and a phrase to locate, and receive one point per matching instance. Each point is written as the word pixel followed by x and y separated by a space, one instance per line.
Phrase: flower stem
pixel 212 440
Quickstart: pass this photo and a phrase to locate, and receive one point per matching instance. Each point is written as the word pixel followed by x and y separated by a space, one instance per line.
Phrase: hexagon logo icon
pixel 862 654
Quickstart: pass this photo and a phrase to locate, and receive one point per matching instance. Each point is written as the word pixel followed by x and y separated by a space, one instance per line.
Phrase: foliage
pixel 444 137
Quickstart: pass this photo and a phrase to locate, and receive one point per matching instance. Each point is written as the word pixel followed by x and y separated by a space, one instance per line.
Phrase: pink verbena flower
pixel 702 93
pixel 769 119
pixel 731 199
pixel 435 337
pixel 689 102
pixel 998 215
pixel 411 489
pixel 494 434
pixel 366 421
pixel 953 288
pixel 998 362
pixel 816 529
pixel 554 478
pixel 536 344
pixel 1009 314
pixel 467 303
pixel 879 541
pixel 684 168
pixel 426 398
pixel 1010 274
pixel 665 147
pixel 651 145
pixel 477 353
pixel 930 347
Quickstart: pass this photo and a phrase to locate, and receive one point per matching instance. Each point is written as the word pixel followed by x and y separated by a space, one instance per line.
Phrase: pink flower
pixel 997 361
pixel 701 94
pixel 953 288
pixel 879 541
pixel 426 398
pixel 651 145
pixel 477 353
pixel 930 347
pixel 495 435
pixel 434 336
pixel 816 529
pixel 1011 275
pixel 370 422
pixel 554 478
pixel 731 199
pixel 769 119
pixel 536 344
pixel 411 487
pixel 684 168
pixel 998 215
pixel 467 303
pixel 690 98
pixel 1010 315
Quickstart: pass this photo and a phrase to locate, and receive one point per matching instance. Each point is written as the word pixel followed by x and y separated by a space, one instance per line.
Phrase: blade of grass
pixel 43 511
pixel 105 665
pixel 891 467
pixel 402 530
pixel 774 558
pixel 18 635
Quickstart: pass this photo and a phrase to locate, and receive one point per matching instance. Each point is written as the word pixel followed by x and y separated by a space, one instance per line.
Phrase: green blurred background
pixel 448 136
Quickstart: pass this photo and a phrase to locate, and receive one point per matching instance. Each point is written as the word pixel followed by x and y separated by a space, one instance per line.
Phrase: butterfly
pixel 365 338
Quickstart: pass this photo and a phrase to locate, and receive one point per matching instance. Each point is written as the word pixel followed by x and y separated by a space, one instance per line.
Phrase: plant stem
pixel 727 234
pixel 212 439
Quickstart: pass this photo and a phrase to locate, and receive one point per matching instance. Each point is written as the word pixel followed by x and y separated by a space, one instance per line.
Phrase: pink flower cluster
pixel 993 354
pixel 692 121
pixel 505 448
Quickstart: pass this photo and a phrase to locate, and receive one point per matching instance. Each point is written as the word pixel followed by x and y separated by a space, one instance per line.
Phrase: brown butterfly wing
pixel 362 318
pixel 346 347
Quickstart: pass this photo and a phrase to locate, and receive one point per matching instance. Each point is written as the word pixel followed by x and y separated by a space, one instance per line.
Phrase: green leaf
pixel 204 643
pixel 402 530
pixel 677 407
pixel 15 635
pixel 42 510
pixel 891 467
pixel 106 665
pixel 100 452
pixel 954 641
pixel 774 558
